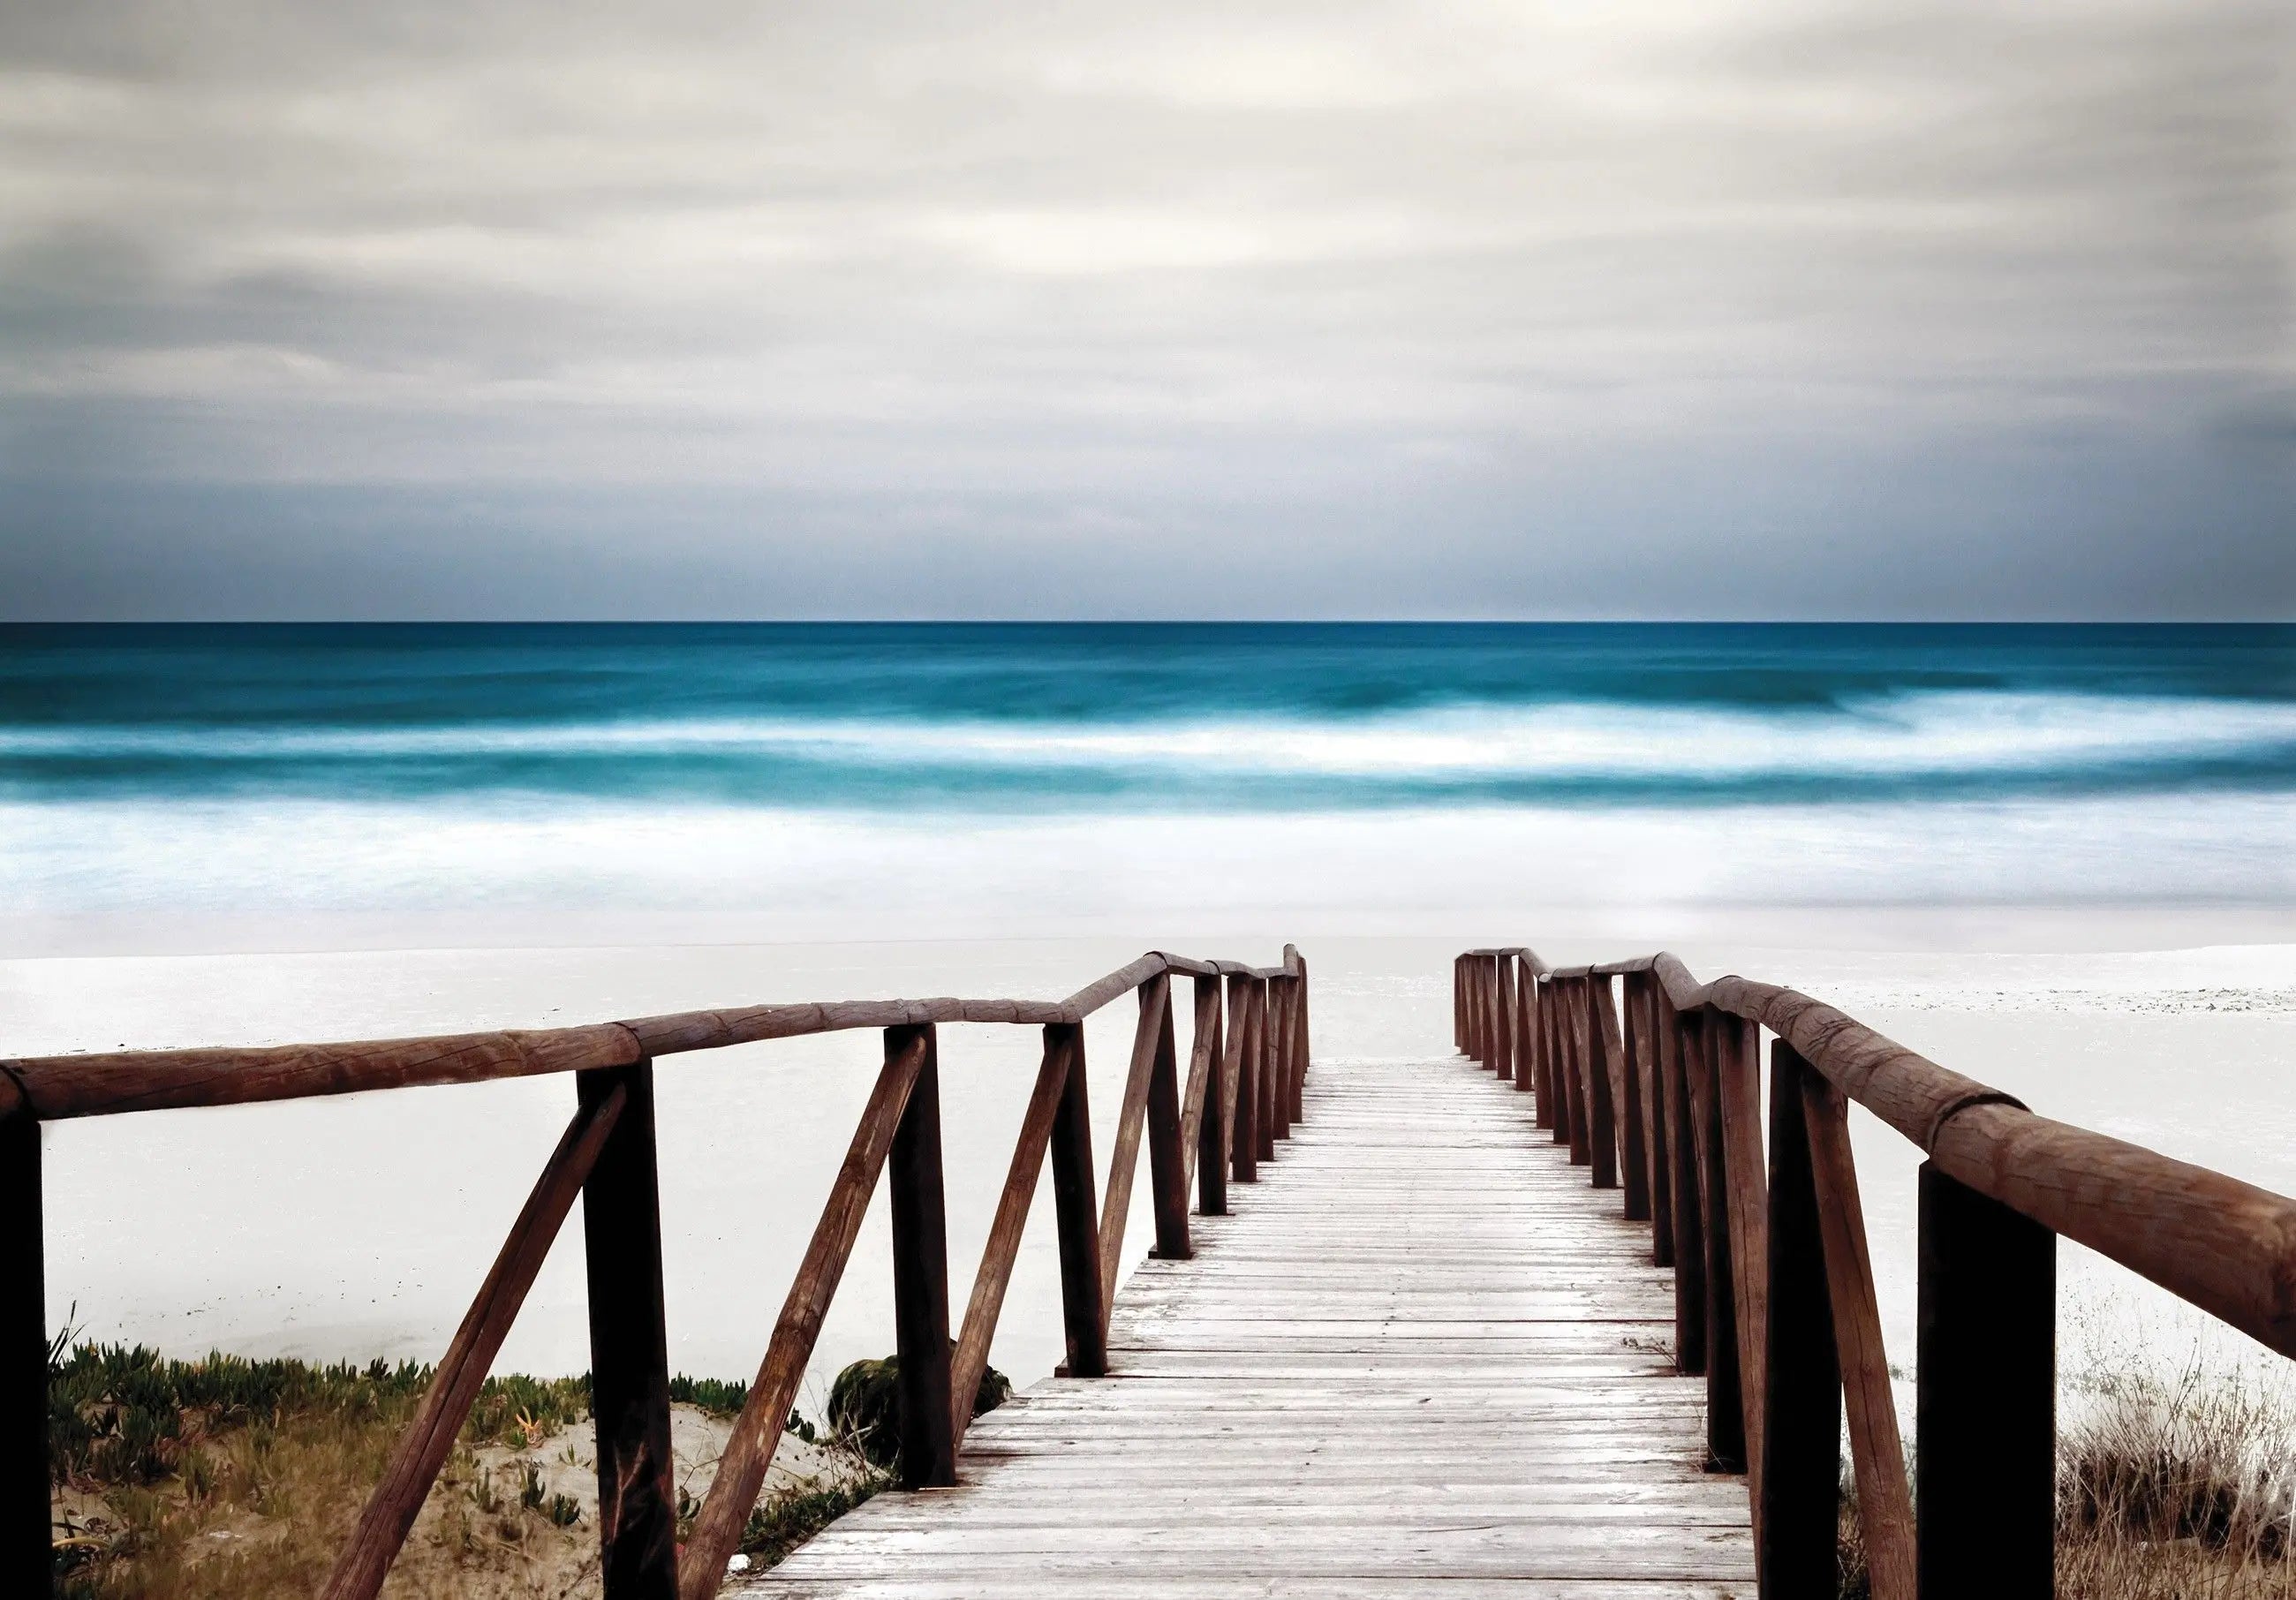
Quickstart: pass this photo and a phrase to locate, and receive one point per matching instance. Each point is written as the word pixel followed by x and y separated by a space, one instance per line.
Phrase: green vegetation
pixel 226 1477
pixel 865 1405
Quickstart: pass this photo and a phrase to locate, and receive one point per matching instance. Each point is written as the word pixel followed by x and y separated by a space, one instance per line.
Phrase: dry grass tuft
pixel 224 1479
pixel 2179 1487
pixel 2176 1487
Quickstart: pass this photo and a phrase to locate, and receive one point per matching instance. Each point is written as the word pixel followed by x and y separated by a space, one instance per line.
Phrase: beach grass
pixel 226 1477
pixel 2169 1487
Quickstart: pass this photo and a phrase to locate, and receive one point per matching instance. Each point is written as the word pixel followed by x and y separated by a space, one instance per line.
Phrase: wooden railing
pixel 1655 1080
pixel 1241 1095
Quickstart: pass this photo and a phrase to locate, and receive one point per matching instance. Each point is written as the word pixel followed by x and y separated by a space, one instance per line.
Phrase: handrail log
pixel 2227 1246
pixel 107 1083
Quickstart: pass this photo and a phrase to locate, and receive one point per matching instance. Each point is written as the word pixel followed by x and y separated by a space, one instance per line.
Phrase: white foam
pixel 1908 734
pixel 855 873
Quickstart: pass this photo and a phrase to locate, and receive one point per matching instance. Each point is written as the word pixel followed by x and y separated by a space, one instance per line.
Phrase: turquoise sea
pixel 397 767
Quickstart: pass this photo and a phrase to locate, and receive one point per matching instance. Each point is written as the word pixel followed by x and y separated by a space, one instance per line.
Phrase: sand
pixel 359 1227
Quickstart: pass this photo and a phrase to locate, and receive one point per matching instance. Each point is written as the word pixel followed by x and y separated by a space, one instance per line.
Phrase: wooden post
pixel 1220 1104
pixel 1503 1018
pixel 1167 1163
pixel 629 1347
pixel 1279 1055
pixel 1602 1111
pixel 1474 994
pixel 1459 1003
pixel 397 1498
pixel 1985 1414
pixel 1641 1008
pixel 1570 1119
pixel 1077 1211
pixel 1799 1490
pixel 1738 1095
pixel 1526 1033
pixel 1263 1060
pixel 1677 1042
pixel 921 1272
pixel 1244 1140
pixel 1572 1027
pixel 1725 1418
pixel 1299 1077
pixel 24 1515
pixel 1877 1454
pixel 1618 1048
pixel 995 1276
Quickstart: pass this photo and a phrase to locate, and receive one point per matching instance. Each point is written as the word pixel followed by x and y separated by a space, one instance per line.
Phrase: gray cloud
pixel 507 308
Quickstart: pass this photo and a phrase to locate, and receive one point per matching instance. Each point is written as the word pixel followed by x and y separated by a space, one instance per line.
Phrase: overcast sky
pixel 716 309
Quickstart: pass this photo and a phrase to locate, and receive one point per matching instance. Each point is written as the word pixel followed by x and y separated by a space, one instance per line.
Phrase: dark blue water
pixel 1034 718
pixel 866 777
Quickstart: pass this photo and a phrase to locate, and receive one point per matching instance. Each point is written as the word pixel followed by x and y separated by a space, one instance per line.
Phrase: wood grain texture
pixel 758 1430
pixel 1131 1124
pixel 1079 1217
pixel 998 1256
pixel 1688 1201
pixel 2226 1246
pixel 111 1082
pixel 1244 1071
pixel 920 1228
pixel 1738 1091
pixel 1423 1355
pixel 629 1348
pixel 1626 1089
pixel 1204 1115
pixel 422 1449
pixel 1877 1456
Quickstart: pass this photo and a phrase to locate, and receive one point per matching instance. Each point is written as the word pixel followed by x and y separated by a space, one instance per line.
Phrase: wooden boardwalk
pixel 1421 1356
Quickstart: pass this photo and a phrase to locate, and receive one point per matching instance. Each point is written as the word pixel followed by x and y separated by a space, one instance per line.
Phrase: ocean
pixel 260 834
pixel 865 778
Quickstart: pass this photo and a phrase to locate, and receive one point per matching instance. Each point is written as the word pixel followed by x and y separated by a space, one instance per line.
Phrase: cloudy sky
pixel 698 309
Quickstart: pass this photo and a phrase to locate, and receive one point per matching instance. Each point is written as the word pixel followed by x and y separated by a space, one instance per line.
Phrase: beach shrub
pixel 865 1405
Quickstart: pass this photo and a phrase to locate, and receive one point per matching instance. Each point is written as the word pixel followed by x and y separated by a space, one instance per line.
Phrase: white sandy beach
pixel 359 1227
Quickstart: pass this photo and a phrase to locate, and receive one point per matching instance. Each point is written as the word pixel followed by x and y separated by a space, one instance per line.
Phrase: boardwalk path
pixel 1423 1355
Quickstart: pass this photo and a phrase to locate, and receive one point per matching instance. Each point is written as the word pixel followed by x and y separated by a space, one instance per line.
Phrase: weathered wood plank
pixel 1423 1349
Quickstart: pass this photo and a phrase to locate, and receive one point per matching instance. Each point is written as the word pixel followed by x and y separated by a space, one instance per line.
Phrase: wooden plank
pixel 749 1449
pixel 1884 1503
pixel 1383 1367
pixel 422 1449
pixel 629 1345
